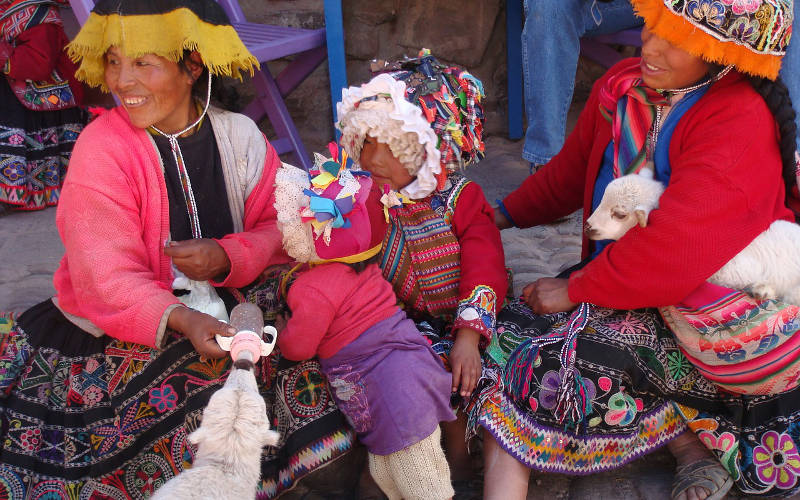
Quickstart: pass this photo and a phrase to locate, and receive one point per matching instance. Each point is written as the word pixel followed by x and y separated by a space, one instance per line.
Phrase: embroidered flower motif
pixel 678 365
pixel 728 445
pixel 740 7
pixel 729 351
pixel 14 171
pixel 31 439
pixel 604 383
pixel 724 442
pixel 163 398
pixel 16 139
pixel 710 10
pixel 629 325
pixel 548 393
pixel 777 460
pixel 351 397
pixel 622 409
pixel 746 30
pixel 92 395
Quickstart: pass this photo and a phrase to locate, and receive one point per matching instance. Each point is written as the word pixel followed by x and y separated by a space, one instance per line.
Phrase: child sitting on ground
pixel 414 127
pixel 384 375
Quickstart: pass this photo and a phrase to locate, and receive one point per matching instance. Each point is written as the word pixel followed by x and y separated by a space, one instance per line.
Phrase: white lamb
pixel 234 429
pixel 768 268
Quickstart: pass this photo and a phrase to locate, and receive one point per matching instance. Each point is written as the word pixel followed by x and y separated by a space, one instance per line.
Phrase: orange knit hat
pixel 752 35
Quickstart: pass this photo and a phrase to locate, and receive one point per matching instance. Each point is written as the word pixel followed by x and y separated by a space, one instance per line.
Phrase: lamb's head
pixel 627 201
pixel 235 425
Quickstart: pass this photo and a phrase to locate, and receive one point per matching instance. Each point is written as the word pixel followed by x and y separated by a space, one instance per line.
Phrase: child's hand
pixel 465 361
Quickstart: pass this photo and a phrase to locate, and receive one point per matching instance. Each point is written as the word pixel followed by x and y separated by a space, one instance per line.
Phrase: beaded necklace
pixel 652 139
pixel 186 183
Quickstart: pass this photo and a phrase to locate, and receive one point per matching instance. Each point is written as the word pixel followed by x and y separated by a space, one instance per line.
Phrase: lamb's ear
pixel 641 215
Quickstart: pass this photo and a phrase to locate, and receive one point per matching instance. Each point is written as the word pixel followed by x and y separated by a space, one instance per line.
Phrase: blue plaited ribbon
pixel 326 209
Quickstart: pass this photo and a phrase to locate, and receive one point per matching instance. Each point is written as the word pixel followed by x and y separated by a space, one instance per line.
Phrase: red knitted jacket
pixel 725 189
pixel 113 218
pixel 332 305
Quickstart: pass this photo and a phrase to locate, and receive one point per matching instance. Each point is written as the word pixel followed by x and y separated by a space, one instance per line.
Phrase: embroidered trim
pixel 477 311
pixel 552 450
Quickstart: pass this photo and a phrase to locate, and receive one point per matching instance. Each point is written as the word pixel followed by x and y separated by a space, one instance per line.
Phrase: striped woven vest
pixel 421 255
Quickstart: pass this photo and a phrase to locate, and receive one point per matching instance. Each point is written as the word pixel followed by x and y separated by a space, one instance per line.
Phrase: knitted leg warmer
pixel 419 472
pixel 381 472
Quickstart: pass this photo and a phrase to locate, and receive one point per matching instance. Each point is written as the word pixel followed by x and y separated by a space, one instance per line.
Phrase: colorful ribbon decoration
pixel 326 209
pixel 392 199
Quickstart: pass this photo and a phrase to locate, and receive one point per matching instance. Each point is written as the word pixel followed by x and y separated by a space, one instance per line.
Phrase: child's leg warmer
pixel 419 472
pixel 379 469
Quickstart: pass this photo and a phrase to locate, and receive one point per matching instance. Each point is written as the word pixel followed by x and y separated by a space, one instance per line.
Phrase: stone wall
pixel 470 33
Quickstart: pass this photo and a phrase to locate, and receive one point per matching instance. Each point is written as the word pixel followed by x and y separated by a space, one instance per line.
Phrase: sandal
pixel 707 473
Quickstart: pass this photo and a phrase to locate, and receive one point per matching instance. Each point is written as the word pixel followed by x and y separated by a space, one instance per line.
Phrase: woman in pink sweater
pixel 100 385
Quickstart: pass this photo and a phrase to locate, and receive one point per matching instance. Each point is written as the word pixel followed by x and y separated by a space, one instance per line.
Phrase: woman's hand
pixel 200 329
pixel 200 259
pixel 500 220
pixel 548 295
pixel 465 361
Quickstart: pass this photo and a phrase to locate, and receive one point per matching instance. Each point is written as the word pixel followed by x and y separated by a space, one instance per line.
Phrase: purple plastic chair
pixel 267 43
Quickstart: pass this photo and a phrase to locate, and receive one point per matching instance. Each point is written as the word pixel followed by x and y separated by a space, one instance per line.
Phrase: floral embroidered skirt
pixel 35 147
pixel 87 417
pixel 642 392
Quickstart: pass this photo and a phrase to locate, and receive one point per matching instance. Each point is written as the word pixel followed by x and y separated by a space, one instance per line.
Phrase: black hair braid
pixel 776 95
pixel 223 93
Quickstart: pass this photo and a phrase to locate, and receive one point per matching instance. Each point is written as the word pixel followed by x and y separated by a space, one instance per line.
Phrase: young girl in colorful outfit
pixel 414 127
pixel 702 108
pixel 385 377
pixel 39 98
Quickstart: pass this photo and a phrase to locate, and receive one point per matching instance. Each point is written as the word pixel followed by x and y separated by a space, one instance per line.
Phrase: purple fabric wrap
pixel 390 385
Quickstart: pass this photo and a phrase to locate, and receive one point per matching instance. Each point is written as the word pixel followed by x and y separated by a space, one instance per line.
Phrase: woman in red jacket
pixel 39 104
pixel 723 143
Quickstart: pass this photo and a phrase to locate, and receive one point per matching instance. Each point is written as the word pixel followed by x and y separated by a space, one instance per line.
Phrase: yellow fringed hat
pixel 752 35
pixel 166 28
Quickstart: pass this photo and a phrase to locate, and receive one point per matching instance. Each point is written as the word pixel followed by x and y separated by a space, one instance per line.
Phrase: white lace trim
pixel 403 113
pixel 298 241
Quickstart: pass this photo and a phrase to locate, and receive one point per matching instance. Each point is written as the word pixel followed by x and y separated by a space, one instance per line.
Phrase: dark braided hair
pixel 776 95
pixel 223 93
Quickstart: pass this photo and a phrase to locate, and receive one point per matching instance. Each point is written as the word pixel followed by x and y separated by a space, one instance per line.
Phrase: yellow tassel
pixel 166 35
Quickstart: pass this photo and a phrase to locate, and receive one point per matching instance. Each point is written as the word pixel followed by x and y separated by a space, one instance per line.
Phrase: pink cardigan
pixel 113 218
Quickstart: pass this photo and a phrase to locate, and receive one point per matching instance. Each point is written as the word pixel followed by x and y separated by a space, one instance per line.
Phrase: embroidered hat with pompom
pixel 429 114
pixel 329 215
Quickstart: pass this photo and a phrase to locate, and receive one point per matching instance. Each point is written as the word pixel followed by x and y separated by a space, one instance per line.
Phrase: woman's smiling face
pixel 665 66
pixel 152 89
